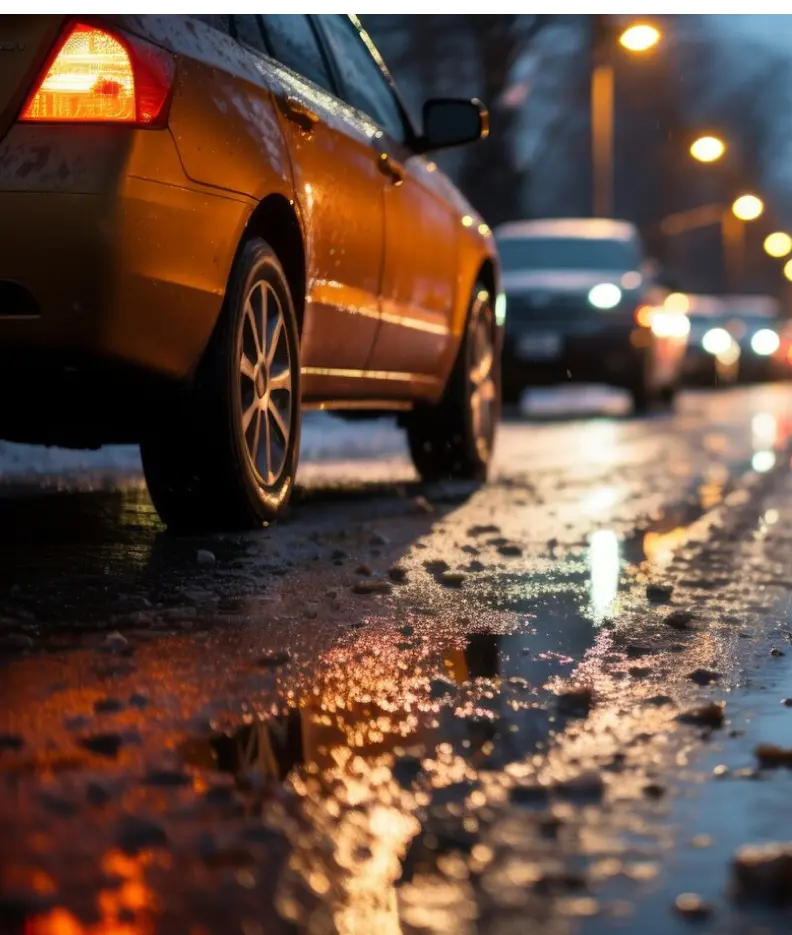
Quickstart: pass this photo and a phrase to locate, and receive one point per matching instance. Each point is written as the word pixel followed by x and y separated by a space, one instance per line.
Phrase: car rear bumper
pixel 607 356
pixel 137 276
pixel 755 368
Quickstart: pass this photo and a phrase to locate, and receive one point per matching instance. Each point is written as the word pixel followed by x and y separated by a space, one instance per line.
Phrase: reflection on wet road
pixel 405 709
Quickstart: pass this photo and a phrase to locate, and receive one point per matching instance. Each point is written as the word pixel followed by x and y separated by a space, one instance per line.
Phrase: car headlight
pixel 716 341
pixel 765 342
pixel 605 295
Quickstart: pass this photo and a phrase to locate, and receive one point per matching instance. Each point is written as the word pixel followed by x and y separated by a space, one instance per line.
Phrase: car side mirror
pixel 451 122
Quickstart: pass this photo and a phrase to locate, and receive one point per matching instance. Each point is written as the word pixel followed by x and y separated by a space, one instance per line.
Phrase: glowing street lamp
pixel 748 208
pixel 707 149
pixel 640 38
pixel 788 270
pixel 778 244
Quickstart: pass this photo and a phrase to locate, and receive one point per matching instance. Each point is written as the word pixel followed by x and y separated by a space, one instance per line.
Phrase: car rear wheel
pixel 454 438
pixel 225 455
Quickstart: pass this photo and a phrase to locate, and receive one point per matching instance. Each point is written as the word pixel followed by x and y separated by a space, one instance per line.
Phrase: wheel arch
pixel 488 277
pixel 276 221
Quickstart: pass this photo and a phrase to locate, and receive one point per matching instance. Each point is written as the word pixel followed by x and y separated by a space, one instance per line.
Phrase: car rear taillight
pixel 96 76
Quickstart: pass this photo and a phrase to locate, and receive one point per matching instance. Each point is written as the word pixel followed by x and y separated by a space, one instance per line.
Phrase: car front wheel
pixel 454 438
pixel 224 454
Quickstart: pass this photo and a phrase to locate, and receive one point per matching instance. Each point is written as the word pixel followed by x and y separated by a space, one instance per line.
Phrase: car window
pixel 567 253
pixel 247 29
pixel 364 85
pixel 294 44
pixel 220 23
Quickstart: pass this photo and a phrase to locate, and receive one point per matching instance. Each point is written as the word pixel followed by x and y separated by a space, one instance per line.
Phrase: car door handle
pixel 391 169
pixel 300 114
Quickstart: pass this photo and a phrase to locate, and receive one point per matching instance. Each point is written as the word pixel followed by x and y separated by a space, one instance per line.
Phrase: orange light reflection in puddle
pixel 131 898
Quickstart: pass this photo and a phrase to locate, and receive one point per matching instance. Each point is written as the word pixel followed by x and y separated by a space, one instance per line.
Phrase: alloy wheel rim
pixel 483 390
pixel 265 379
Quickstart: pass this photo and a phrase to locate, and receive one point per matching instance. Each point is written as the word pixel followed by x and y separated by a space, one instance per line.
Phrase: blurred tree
pixel 470 55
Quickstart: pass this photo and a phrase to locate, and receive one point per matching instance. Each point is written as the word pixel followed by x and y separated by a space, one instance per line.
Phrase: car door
pixel 418 284
pixel 340 192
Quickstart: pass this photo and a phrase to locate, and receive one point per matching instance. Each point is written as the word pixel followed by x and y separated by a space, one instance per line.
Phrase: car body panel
pixel 340 194
pixel 124 238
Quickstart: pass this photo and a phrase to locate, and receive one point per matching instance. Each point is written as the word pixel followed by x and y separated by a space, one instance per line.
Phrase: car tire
pixel 225 455
pixel 454 439
pixel 639 386
pixel 668 395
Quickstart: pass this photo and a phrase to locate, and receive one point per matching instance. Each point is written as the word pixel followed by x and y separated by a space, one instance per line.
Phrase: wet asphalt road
pixel 407 709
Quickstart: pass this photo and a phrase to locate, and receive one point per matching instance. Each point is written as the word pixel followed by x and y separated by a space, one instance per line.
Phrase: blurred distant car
pixel 583 304
pixel 755 324
pixel 737 339
pixel 709 357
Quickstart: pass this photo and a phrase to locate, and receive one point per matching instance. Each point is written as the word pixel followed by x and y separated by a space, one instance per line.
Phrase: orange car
pixel 211 223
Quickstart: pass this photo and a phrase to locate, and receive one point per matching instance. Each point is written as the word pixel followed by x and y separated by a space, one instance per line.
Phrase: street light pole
pixel 638 38
pixel 602 138
pixel 602 117
pixel 733 240
pixel 732 229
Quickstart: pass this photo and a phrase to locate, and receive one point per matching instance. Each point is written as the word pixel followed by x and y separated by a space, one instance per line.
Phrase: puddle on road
pixel 367 786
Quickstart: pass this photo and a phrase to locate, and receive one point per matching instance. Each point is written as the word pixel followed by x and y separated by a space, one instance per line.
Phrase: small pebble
pixel 679 619
pixel 363 569
pixel 692 906
pixel 639 672
pixel 167 777
pixel 453 579
pixel 709 715
pixel 636 650
pixel 11 742
pixel 771 756
pixel 509 550
pixel 96 794
pixel 422 505
pixel 106 745
pixel 205 557
pixel 576 701
pixel 777 652
pixel 659 593
pixel 138 834
pixel 659 701
pixel 274 659
pixel 704 676
pixel 397 573
pixel 116 642
pixel 372 587
pixel 762 873
pixel 406 770
pixel 588 786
